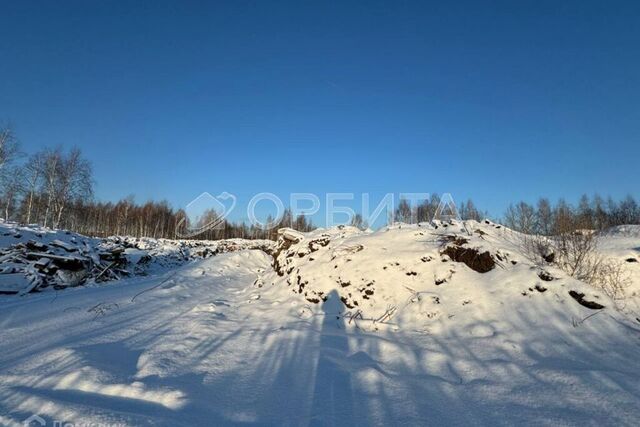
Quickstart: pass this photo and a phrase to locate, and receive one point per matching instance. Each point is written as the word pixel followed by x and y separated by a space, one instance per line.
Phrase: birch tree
pixel 73 181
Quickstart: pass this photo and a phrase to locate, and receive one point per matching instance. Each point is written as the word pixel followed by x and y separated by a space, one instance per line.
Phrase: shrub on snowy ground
pixel 613 278
pixel 577 254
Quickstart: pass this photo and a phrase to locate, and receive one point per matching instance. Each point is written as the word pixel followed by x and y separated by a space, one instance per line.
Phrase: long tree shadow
pixel 332 395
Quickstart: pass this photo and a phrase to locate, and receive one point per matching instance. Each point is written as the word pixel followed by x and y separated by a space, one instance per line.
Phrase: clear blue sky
pixel 498 101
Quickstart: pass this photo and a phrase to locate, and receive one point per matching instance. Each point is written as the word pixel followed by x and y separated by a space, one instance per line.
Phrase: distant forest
pixel 54 188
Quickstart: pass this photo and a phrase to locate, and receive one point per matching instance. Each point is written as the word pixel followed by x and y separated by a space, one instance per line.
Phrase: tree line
pixel 160 220
pixel 595 213
pixel 407 213
pixel 54 187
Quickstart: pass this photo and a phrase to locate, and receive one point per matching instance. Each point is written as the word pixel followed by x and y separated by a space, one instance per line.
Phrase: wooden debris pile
pixel 33 266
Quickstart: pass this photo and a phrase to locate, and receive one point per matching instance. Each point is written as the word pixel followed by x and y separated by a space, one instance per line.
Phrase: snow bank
pixel 254 339
pixel 424 274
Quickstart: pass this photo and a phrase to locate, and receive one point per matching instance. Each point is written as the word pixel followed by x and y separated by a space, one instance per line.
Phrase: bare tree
pixel 576 253
pixel 628 211
pixel 564 221
pixel 427 209
pixel 50 169
pixel 403 212
pixel 613 278
pixel 33 172
pixel 585 215
pixel 358 222
pixel 12 187
pixel 468 211
pixel 600 214
pixel 9 149
pixel 544 217
pixel 73 181
pixel 521 217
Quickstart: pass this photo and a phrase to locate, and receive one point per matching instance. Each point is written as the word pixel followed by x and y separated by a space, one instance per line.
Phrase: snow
pixel 44 259
pixel 622 244
pixel 229 340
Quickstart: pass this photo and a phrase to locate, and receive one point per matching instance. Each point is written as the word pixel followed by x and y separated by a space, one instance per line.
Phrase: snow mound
pixel 624 231
pixel 453 326
pixel 424 274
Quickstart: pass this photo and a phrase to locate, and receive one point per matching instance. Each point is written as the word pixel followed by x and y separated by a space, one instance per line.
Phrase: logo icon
pixel 34 420
pixel 205 212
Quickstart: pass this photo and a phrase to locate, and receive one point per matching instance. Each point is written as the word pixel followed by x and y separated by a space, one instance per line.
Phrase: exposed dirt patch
pixel 367 290
pixel 318 243
pixel 347 303
pixel 314 297
pixel 344 283
pixel 546 276
pixel 481 262
pixel 586 303
pixel 540 288
pixel 452 239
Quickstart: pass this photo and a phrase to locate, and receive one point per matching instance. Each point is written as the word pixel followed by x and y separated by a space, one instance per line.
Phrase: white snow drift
pixel 333 327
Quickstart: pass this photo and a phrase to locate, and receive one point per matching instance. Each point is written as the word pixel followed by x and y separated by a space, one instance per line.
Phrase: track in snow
pixel 206 347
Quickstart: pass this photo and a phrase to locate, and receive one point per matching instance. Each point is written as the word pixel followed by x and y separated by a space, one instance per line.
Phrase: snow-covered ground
pixel 342 327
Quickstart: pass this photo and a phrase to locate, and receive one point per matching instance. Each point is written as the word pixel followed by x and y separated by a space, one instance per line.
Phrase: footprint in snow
pixel 210 307
pixel 221 302
pixel 482 331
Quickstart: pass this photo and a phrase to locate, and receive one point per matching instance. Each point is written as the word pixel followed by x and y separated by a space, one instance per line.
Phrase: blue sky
pixel 498 101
